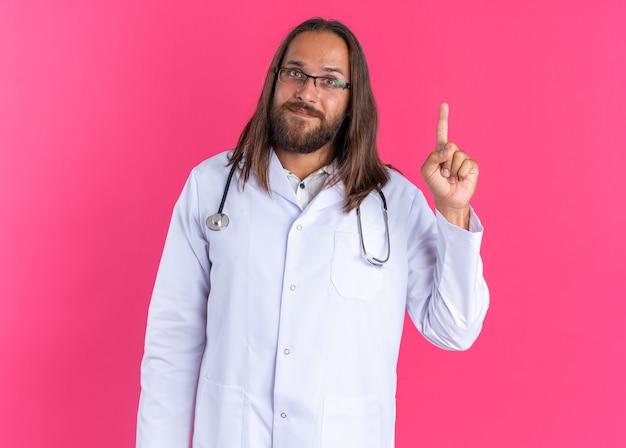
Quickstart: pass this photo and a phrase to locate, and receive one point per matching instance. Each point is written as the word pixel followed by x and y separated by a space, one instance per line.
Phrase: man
pixel 277 321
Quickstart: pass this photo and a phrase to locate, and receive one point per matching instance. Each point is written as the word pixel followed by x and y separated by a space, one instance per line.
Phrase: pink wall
pixel 105 107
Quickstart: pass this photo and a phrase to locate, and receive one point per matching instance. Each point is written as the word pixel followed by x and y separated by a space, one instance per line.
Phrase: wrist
pixel 459 217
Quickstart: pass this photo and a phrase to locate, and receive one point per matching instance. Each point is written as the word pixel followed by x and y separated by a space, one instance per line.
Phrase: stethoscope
pixel 219 221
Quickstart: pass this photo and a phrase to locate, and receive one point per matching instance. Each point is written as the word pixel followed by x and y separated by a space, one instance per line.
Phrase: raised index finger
pixel 442 126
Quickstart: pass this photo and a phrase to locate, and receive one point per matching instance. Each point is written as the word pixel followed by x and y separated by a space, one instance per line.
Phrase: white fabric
pixel 276 332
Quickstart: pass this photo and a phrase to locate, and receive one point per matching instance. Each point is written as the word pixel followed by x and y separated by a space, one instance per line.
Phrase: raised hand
pixel 450 175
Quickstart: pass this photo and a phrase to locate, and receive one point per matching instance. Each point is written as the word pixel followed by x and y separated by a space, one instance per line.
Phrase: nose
pixel 308 91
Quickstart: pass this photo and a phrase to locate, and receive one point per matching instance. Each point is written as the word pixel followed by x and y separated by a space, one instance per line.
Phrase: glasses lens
pixel 330 84
pixel 292 76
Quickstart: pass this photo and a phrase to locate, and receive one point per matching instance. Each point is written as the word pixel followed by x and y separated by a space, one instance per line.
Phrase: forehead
pixel 318 51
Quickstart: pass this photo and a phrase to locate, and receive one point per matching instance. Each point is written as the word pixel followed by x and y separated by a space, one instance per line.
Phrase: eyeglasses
pixel 298 78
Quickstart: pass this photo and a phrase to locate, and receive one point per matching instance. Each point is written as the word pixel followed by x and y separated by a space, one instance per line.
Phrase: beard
pixel 292 134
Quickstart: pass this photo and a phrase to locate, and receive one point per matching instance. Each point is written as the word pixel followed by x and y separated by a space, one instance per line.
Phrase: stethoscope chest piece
pixel 217 221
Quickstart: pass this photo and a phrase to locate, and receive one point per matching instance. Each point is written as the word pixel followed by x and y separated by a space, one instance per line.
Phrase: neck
pixel 302 165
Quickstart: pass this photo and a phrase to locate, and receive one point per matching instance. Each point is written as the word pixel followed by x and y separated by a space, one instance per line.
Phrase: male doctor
pixel 277 322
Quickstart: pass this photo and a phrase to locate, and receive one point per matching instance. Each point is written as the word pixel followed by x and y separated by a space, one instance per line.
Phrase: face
pixel 307 118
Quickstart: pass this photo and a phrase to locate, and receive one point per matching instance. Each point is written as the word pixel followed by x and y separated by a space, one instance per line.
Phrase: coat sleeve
pixel 176 330
pixel 447 294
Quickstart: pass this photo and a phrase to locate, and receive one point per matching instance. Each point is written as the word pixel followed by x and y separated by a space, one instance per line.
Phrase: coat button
pixel 286 351
pixel 283 415
pixel 298 227
pixel 292 287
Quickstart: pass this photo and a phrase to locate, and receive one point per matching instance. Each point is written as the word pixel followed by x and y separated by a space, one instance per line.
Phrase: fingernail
pixel 446 172
pixel 452 180
pixel 443 153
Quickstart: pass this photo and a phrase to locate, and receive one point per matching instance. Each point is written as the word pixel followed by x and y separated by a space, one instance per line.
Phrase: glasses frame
pixel 346 85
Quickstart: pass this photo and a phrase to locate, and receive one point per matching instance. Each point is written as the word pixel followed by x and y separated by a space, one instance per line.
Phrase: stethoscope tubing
pixel 219 221
pixel 369 257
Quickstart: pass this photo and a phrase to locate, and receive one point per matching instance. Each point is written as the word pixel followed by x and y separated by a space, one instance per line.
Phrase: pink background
pixel 106 106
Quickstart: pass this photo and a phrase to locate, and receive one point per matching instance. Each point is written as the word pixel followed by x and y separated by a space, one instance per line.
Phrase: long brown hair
pixel 356 151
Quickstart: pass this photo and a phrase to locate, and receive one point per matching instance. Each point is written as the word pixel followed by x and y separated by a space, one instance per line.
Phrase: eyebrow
pixel 325 69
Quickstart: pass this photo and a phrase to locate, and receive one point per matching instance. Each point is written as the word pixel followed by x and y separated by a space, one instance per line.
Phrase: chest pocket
pixel 351 274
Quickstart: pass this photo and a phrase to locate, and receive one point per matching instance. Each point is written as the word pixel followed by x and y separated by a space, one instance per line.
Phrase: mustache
pixel 299 105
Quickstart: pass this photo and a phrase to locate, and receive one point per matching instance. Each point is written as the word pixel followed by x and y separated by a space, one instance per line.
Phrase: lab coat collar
pixel 329 195
pixel 279 184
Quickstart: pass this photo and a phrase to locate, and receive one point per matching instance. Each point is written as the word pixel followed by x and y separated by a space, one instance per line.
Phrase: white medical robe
pixel 276 332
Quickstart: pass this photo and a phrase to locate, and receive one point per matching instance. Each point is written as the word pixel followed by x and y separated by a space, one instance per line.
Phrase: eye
pixel 332 83
pixel 295 74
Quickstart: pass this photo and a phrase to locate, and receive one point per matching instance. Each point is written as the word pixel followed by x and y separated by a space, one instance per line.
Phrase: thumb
pixel 434 161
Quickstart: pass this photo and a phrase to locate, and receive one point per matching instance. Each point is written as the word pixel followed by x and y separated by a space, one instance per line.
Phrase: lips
pixel 302 109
